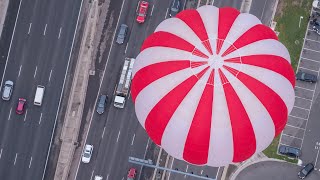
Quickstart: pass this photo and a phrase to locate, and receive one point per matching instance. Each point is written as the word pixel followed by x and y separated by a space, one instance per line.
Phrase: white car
pixel 87 153
pixel 97 177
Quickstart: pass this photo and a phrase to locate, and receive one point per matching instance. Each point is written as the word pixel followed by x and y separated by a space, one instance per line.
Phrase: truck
pixel 123 87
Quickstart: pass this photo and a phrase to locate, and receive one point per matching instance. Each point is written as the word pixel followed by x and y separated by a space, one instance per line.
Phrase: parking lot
pixel 294 132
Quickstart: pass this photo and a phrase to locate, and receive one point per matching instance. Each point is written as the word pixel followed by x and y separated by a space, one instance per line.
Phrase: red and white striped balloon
pixel 213 86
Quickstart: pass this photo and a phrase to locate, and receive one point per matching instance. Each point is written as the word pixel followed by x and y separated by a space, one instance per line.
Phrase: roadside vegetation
pixel 287 18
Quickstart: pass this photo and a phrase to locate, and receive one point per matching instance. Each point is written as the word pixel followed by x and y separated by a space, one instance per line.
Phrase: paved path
pixel 3 11
pixel 266 170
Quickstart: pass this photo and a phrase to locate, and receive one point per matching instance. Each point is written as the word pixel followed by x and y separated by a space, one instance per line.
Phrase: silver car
pixel 7 90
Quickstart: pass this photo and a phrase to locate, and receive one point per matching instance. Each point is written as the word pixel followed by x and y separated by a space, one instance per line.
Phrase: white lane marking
pixel 186 171
pixel 303 98
pixel 152 10
pixel 218 173
pixel 30 162
pixel 170 168
pixel 25 115
pixel 50 75
pixel 9 114
pixel 295 127
pixel 29 28
pixel 310 59
pixel 301 108
pixel 105 67
pixel 291 136
pixel 264 9
pixel 107 176
pixel 118 136
pixel 134 135
pixel 304 88
pixel 14 30
pixel 19 70
pixel 184 5
pixel 45 29
pixel 315 164
pixel 15 159
pixel 125 51
pixel 201 171
pixel 307 69
pixel 145 153
pixel 165 17
pixel 212 2
pixel 0 153
pixel 91 175
pixel 104 129
pixel 35 72
pixel 59 33
pixel 299 117
pixel 311 50
pixel 311 40
pixel 40 118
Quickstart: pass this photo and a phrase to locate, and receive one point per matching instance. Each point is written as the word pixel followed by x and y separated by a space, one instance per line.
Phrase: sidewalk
pixel 3 11
pixel 73 116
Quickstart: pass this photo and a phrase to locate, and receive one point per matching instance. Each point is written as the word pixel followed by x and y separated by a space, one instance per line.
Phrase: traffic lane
pixel 310 145
pixel 160 12
pixel 228 3
pixel 121 122
pixel 107 87
pixel 263 10
pixel 7 152
pixel 204 171
pixel 274 170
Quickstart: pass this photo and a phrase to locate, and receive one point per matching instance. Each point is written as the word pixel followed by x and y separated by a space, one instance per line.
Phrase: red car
pixel 132 174
pixel 142 11
pixel 21 104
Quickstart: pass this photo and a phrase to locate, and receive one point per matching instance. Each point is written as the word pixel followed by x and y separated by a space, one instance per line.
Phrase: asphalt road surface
pixel 38 55
pixel 280 171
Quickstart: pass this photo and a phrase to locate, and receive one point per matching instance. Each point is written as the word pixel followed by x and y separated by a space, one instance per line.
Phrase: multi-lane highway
pixel 38 55
pixel 116 134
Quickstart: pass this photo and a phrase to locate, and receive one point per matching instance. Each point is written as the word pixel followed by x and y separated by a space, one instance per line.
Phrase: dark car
pixel 305 171
pixel 303 76
pixel 315 22
pixel 289 151
pixel 21 105
pixel 122 33
pixel 101 104
pixel 174 8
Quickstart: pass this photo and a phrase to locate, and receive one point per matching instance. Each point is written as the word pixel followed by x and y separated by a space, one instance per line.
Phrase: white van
pixel 39 95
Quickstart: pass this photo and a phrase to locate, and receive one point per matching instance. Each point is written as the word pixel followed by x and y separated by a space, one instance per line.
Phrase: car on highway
pixel 303 76
pixel 7 90
pixel 131 174
pixel 98 178
pixel 174 8
pixel 305 171
pixel 102 103
pixel 289 151
pixel 122 33
pixel 142 11
pixel 87 153
pixel 21 105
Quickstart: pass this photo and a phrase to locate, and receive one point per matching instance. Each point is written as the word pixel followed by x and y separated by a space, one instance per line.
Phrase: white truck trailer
pixel 123 87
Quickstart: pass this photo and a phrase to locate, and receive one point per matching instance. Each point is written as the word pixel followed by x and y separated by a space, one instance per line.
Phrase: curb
pixel 245 165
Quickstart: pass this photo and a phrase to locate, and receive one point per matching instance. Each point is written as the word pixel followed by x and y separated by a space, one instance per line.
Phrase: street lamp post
pixel 301 17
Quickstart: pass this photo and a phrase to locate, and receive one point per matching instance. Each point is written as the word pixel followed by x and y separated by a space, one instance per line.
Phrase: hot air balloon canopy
pixel 213 86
